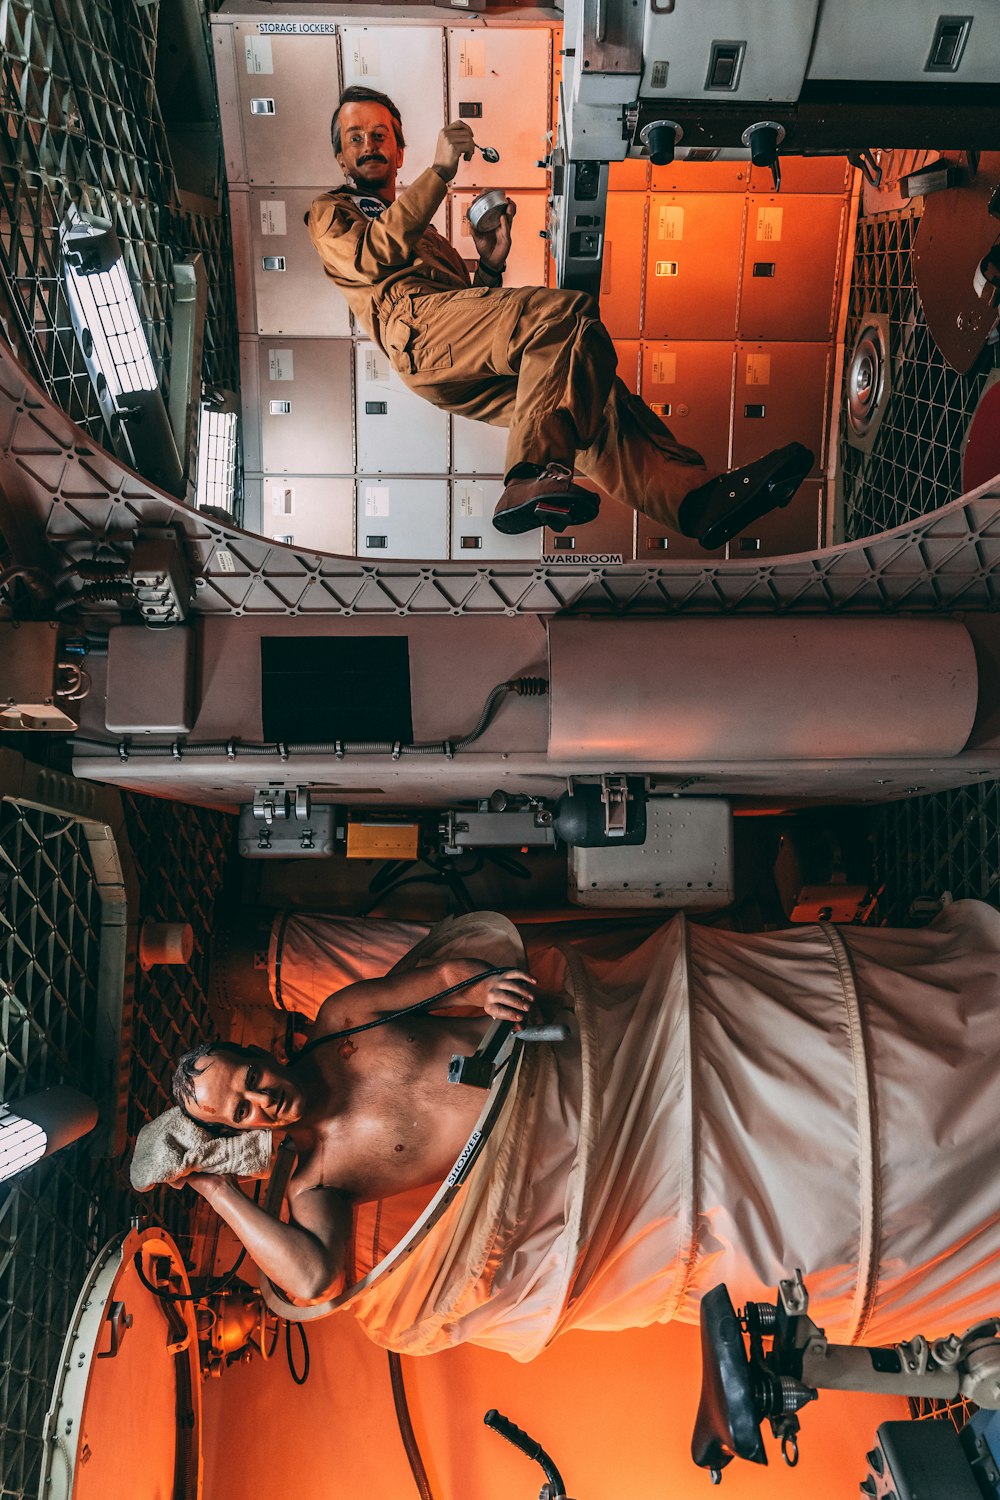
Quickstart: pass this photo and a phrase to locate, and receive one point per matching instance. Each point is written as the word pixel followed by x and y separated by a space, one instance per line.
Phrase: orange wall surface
pixel 615 1411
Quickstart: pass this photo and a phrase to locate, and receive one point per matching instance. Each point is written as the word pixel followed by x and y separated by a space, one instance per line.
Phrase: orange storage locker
pixel 690 386
pixel 805 174
pixel 692 265
pixel 781 396
pixel 791 258
pixel 797 528
pixel 702 177
pixel 628 362
pixel 621 271
pixel 610 535
pixel 629 176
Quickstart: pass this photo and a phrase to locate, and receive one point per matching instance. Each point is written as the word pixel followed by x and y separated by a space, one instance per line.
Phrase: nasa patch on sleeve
pixel 371 207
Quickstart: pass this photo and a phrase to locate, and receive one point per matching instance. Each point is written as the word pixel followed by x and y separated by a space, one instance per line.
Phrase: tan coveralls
pixel 533 359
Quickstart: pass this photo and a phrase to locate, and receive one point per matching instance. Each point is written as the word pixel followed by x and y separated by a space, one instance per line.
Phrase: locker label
pixel 365 58
pixel 670 225
pixel 225 561
pixel 272 216
pixel 469 504
pixel 769 223
pixel 376 370
pixel 257 50
pixel 664 369
pixel 758 369
pixel 280 364
pixel 472 57
pixel 376 500
pixel 296 28
pixel 283 500
pixel 667 268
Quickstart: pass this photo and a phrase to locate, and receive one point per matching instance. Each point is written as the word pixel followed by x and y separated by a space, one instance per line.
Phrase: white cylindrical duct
pixel 711 689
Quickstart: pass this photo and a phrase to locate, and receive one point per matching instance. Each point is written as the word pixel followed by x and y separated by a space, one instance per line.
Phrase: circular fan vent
pixel 867 382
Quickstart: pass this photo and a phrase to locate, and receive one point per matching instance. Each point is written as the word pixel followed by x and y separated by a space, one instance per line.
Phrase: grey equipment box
pixel 686 860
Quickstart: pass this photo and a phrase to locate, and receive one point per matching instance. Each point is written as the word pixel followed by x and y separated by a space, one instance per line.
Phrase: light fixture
pixel 109 330
pixel 40 1124
pixel 218 451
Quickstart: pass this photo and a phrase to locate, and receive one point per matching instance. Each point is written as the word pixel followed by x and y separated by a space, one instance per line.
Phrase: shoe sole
pixel 774 494
pixel 555 511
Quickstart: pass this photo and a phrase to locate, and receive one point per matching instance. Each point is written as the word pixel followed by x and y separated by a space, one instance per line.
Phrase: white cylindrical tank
pixel 711 689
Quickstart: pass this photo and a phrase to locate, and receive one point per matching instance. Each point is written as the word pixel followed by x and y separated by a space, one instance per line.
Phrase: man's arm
pixel 365 251
pixel 304 1257
pixel 504 997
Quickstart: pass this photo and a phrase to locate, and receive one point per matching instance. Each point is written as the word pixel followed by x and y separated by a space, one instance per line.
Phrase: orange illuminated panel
pixel 690 386
pixel 797 528
pixel 628 362
pixel 805 174
pixel 790 261
pixel 629 176
pixel 781 396
pixel 621 271
pixel 692 265
pixel 382 840
pixel 702 177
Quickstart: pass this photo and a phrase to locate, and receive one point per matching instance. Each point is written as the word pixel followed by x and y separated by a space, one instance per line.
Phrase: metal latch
pixel 615 798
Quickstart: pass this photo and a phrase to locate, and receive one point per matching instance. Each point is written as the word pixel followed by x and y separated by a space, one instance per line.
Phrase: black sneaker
pixel 718 510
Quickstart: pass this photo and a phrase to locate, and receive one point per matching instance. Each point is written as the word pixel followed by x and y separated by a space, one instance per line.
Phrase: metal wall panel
pixel 239 223
pixel 402 518
pixel 473 536
pixel 253 502
pixel 797 528
pixel 295 80
pixel 790 259
pixel 477 448
pixel 398 432
pixel 629 176
pixel 528 251
pixel 901 53
pixel 681 176
pixel 621 279
pixel 293 295
pixel 310 511
pixel 316 435
pixel 805 174
pixel 407 63
pixel 780 397
pixel 689 386
pixel 505 76
pixel 610 534
pixel 250 415
pixel 677 49
pixel 692 265
pixel 628 362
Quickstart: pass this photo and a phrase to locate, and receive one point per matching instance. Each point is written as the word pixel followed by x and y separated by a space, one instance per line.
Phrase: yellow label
pixel 670 221
pixel 758 369
pixel 472 57
pixel 769 223
pixel 664 369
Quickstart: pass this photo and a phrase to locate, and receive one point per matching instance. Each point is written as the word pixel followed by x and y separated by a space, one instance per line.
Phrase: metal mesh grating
pixel 55 1218
pixel 84 127
pixel 946 842
pixel 915 465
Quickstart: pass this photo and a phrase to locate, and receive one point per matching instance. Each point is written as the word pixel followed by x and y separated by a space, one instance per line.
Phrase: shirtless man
pixel 536 360
pixel 371 1115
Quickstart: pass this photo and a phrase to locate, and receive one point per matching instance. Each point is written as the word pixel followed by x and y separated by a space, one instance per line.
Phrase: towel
pixel 171 1146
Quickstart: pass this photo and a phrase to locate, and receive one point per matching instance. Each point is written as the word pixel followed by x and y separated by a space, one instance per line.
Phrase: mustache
pixel 376 156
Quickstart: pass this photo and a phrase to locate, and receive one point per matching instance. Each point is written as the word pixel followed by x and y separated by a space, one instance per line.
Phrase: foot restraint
pixel 715 512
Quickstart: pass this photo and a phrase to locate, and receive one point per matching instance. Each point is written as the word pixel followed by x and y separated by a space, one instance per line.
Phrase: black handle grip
pixel 527 1445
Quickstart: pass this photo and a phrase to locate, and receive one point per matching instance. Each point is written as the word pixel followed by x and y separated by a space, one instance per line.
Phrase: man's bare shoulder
pixel 354 1005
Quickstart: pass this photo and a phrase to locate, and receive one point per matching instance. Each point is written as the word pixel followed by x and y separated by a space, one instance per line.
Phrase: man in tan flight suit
pixel 533 359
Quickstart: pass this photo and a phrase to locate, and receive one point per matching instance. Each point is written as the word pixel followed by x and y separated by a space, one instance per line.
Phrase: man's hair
pixel 358 94
pixel 187 1070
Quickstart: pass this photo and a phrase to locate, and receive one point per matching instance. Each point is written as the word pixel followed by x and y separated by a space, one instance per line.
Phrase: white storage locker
pixel 253 499
pixel 407 63
pixel 498 80
pixel 310 511
pixel 305 406
pixel 288 89
pixel 477 448
pixel 526 263
pixel 292 293
pixel 250 413
pixel 402 518
pixel 398 432
pixel 473 535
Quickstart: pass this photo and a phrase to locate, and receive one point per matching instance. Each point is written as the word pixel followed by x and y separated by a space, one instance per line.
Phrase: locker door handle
pixel 763 268
pixel 376 541
pixel 755 409
pixel 472 543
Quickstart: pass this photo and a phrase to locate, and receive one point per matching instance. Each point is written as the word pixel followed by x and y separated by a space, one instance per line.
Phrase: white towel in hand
pixel 172 1145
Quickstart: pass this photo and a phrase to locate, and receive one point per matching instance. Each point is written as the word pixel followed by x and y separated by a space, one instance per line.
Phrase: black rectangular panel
pixel 320 688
